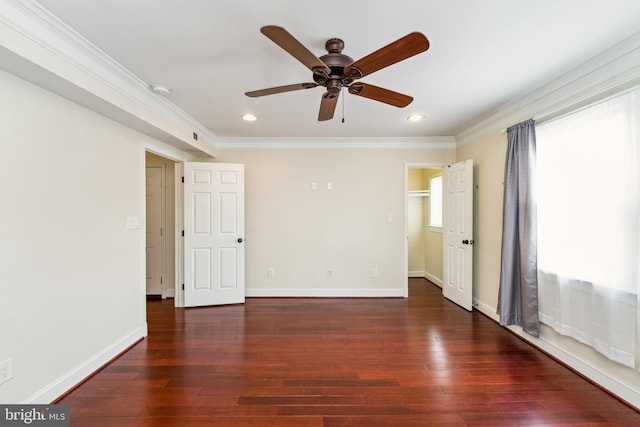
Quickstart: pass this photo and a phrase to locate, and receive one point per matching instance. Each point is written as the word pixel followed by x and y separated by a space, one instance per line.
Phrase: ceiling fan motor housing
pixel 336 61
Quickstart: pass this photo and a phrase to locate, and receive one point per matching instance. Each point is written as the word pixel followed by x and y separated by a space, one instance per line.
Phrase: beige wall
pixel 432 238
pixel 425 244
pixel 416 217
pixel 352 229
pixel 488 156
pixel 416 180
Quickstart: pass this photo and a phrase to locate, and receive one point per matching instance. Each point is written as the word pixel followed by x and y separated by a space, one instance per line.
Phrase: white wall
pixel 302 233
pixel 72 287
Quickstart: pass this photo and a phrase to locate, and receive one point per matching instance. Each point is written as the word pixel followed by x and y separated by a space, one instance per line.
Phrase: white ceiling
pixel 482 55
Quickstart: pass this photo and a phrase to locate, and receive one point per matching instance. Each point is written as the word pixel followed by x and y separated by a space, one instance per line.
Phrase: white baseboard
pixel 486 310
pixel 430 277
pixel 595 374
pixel 324 293
pixel 424 274
pixel 72 378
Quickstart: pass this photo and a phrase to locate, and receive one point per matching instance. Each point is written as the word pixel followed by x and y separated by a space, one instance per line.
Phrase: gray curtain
pixel 518 295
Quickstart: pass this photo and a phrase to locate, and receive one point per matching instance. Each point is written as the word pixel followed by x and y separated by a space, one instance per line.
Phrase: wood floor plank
pixel 337 362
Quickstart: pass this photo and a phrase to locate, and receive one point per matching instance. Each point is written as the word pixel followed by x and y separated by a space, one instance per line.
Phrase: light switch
pixel 314 186
pixel 329 185
pixel 133 223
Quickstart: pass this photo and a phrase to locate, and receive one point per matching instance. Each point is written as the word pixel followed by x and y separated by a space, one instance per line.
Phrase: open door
pixel 213 234
pixel 154 235
pixel 457 215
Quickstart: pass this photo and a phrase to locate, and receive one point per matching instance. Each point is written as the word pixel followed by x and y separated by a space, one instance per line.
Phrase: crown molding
pixel 612 70
pixel 337 143
pixel 78 70
pixel 42 39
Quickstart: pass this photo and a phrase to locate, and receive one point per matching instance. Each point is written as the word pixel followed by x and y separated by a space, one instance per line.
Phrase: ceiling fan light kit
pixel 335 70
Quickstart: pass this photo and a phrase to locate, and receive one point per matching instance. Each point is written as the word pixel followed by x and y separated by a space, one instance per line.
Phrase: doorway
pixel 160 221
pixel 423 228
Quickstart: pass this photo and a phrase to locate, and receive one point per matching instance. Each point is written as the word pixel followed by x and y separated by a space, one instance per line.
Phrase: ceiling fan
pixel 335 70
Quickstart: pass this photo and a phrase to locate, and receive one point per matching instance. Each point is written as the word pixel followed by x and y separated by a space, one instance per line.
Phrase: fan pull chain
pixel 343 96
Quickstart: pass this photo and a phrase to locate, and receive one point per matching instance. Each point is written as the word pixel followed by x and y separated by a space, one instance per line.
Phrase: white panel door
pixel 153 221
pixel 457 215
pixel 213 234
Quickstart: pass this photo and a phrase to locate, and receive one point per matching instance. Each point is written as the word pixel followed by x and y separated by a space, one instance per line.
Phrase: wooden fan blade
pixel 401 49
pixel 282 38
pixel 328 106
pixel 280 89
pixel 380 94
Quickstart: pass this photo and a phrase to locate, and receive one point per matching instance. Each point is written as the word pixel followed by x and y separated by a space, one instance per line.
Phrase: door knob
pixel 239 239
pixel 465 242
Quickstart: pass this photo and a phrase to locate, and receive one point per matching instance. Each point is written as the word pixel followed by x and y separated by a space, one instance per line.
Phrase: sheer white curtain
pixel 589 226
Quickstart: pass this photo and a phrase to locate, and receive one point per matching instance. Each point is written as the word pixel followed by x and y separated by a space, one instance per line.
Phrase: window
pixel 435 201
pixel 588 195
pixel 588 202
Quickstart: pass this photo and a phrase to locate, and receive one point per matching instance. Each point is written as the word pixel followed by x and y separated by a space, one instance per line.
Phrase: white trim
pixel 487 310
pixel 435 280
pixel 142 236
pixel 165 152
pixel 613 69
pixel 179 224
pixel 325 293
pixel 66 382
pixel 592 372
pixel 337 143
pixel 417 273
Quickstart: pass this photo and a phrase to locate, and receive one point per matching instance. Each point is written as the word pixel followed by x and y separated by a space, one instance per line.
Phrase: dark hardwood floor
pixel 315 362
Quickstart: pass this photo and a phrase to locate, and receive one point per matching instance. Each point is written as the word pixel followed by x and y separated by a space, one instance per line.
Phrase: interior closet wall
pixel 425 243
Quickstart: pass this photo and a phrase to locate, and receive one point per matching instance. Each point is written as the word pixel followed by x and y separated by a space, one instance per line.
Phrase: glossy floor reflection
pixel 337 362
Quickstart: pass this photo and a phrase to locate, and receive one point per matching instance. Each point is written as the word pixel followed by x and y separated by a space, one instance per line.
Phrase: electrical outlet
pixel 271 272
pixel 6 371
pixel 329 273
pixel 374 272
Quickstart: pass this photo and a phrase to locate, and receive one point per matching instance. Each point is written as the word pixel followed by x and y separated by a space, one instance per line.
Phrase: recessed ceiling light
pixel 415 117
pixel 160 89
pixel 249 117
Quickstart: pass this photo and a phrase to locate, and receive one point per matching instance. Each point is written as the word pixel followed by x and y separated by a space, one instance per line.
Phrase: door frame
pixel 179 159
pixel 405 257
